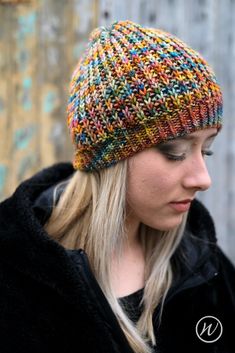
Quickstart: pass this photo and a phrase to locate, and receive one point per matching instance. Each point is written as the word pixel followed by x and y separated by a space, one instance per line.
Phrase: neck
pixel 132 231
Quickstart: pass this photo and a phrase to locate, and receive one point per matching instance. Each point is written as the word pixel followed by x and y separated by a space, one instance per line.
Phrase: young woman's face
pixel 163 180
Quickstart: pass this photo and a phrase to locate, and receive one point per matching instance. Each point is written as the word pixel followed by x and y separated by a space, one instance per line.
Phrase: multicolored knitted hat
pixel 133 88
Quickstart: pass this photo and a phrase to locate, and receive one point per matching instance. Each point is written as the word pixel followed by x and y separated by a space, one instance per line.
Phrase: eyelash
pixel 182 157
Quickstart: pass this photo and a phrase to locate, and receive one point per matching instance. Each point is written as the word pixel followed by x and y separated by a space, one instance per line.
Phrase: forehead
pixel 198 135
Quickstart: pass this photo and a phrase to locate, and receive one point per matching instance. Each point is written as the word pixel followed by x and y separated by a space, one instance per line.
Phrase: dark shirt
pixel 131 304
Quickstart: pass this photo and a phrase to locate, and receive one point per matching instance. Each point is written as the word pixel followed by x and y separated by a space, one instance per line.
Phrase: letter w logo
pixel 209 329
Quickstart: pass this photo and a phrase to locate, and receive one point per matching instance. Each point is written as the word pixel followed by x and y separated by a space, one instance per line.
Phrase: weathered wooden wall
pixel 40 42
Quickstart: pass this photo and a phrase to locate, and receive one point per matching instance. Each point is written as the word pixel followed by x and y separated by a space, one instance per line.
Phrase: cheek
pixel 147 189
pixel 150 183
pixel 150 188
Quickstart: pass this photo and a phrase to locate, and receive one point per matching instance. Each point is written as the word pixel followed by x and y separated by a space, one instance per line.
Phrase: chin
pixel 168 224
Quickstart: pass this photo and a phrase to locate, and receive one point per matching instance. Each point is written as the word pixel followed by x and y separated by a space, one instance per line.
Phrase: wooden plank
pixel 219 175
pixel 24 148
pixel 5 97
pixel 228 71
pixel 167 14
pixel 106 12
pixel 52 44
pixel 14 2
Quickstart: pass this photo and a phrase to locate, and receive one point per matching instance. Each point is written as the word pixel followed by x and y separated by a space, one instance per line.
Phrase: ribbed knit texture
pixel 133 88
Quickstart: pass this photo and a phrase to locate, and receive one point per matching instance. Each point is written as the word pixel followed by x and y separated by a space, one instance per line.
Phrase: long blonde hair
pixel 79 220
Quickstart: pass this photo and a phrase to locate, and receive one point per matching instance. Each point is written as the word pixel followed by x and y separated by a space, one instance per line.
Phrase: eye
pixel 175 157
pixel 173 151
pixel 207 153
pixel 182 156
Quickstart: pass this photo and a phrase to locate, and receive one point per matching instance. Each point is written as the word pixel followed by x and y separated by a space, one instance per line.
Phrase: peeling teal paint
pixel 23 136
pixel 3 174
pixel 49 102
pixel 22 59
pixel 26 27
pixel 27 83
pixel 27 23
pixel 1 105
pixel 26 100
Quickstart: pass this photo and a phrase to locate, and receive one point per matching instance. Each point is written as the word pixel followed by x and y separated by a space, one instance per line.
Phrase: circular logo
pixel 209 329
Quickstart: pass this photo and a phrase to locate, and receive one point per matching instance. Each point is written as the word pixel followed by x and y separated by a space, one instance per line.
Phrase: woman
pixel 114 253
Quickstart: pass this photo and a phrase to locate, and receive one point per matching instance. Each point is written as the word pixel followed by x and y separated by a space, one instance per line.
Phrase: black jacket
pixel 51 302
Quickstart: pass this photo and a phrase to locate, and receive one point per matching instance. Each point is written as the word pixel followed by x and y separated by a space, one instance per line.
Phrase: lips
pixel 181 206
pixel 183 201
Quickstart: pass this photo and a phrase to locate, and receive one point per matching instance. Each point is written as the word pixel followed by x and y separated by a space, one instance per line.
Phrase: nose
pixel 197 176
